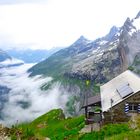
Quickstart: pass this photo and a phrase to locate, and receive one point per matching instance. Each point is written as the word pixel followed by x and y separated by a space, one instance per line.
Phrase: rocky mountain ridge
pixel 99 60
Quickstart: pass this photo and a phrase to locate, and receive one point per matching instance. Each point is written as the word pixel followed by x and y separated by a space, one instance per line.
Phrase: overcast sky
pixel 51 23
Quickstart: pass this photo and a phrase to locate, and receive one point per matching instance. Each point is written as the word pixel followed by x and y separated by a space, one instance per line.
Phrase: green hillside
pixel 55 65
pixel 52 124
pixel 55 126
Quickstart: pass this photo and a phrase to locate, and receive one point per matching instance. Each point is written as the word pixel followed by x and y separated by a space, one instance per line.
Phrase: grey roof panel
pixel 124 90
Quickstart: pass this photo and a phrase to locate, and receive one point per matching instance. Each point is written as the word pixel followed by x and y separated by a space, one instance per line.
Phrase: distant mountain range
pixel 3 56
pixel 7 61
pixel 99 60
pixel 31 56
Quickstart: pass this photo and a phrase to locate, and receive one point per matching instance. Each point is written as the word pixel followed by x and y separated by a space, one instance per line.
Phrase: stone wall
pixel 118 111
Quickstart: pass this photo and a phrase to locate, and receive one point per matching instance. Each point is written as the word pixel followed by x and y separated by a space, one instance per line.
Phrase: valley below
pixel 22 99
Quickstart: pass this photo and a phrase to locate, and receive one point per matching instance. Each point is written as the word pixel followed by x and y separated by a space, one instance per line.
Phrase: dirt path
pixel 91 127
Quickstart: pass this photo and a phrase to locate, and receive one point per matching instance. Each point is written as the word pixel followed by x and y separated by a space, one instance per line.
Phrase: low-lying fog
pixel 25 101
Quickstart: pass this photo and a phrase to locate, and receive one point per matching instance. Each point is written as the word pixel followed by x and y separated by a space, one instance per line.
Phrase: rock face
pixel 129 44
pixel 99 60
pixel 4 133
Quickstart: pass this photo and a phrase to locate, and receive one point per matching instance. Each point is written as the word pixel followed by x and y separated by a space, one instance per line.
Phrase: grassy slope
pixel 54 126
pixel 53 66
pixel 106 132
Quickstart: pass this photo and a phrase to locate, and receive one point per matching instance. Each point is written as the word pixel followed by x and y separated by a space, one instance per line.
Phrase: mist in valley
pixel 25 100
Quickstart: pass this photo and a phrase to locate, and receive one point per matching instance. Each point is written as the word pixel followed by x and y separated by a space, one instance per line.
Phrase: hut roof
pixel 92 101
pixel 119 89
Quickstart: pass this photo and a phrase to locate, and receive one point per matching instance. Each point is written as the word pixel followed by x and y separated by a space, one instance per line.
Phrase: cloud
pixel 61 22
pixel 25 100
pixel 7 2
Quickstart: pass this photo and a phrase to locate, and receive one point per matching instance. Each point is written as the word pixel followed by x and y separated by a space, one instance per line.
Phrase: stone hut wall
pixel 118 111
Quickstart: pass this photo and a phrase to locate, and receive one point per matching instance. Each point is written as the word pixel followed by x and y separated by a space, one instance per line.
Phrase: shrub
pixel 106 131
pixel 113 129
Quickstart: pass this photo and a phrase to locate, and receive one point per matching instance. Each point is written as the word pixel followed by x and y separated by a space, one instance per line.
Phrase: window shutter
pixel 126 107
pixel 138 108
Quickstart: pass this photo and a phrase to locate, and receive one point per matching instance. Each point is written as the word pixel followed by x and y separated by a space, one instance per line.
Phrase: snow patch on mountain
pixel 132 31
pixel 103 42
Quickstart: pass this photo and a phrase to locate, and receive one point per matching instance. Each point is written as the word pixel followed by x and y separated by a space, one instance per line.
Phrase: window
pixel 133 107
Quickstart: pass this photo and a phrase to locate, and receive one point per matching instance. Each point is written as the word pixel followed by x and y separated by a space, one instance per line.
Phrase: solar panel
pixel 124 90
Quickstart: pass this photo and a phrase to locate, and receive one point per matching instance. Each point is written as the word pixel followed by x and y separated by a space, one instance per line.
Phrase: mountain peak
pixel 138 15
pixel 128 24
pixel 112 32
pixel 127 21
pixel 81 40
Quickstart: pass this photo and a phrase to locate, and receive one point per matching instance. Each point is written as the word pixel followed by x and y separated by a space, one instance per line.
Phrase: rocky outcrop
pixel 129 44
pixel 4 133
pixel 99 69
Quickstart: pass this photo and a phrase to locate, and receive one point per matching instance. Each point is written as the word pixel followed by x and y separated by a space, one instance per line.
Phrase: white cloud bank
pixel 60 22
pixel 27 90
pixel 7 2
